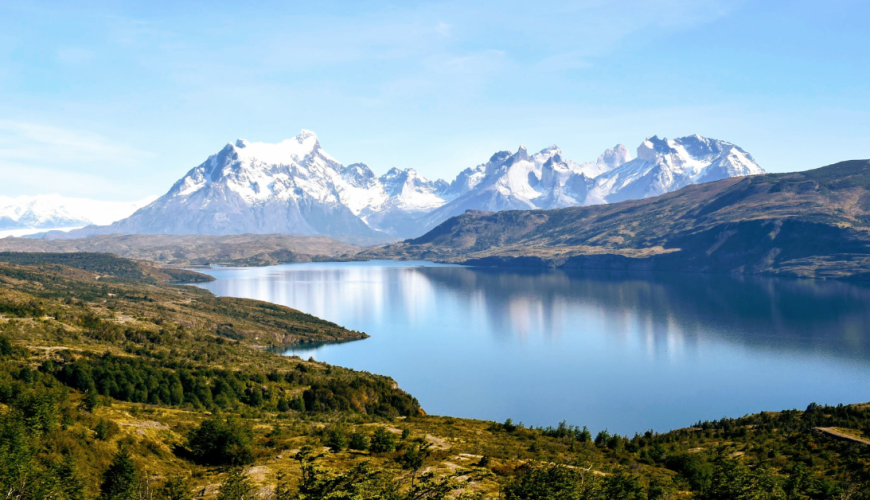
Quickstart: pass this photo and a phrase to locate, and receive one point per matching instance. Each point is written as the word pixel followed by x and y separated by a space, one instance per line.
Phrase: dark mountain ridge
pixel 804 224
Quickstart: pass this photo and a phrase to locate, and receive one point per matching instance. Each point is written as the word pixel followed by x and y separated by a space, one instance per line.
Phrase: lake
pixel 626 352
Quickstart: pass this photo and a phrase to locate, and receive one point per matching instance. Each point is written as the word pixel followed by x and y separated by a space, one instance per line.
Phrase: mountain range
pixel 813 224
pixel 53 211
pixel 295 187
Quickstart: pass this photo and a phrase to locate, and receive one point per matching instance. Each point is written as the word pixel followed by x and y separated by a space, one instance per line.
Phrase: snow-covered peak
pixel 52 211
pixel 358 174
pixel 411 191
pixel 664 165
pixel 545 154
pixel 285 152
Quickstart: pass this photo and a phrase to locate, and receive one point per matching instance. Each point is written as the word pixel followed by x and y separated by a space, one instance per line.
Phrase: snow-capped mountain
pixel 295 187
pixel 521 181
pixel 290 187
pixel 53 211
pixel 663 166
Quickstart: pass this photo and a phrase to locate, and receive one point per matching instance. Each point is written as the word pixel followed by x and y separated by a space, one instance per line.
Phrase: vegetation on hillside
pixel 108 397
pixel 116 306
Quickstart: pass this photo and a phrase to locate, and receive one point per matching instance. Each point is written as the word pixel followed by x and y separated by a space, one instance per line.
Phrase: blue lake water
pixel 626 352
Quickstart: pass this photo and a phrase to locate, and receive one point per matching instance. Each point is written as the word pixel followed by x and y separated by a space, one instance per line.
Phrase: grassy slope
pixel 135 294
pixel 171 329
pixel 187 250
pixel 811 224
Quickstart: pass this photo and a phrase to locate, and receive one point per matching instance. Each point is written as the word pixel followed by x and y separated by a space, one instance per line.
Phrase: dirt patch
pixel 146 424
pixel 835 433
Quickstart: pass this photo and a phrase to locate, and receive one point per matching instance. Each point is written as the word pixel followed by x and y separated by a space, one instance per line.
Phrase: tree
pixel 622 486
pixel 361 482
pixel 359 441
pixel 283 406
pixel 383 441
pixel 105 429
pixel 219 441
pixel 69 478
pixel 335 437
pixel 5 346
pixel 121 479
pixel 90 401
pixel 555 482
pixel 415 457
pixel 236 487
pixel 175 488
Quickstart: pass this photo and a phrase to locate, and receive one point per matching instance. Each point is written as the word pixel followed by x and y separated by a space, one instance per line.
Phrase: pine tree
pixel 120 481
pixel 67 473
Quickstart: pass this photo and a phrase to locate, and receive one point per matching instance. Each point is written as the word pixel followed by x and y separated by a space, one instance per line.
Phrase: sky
pixel 117 100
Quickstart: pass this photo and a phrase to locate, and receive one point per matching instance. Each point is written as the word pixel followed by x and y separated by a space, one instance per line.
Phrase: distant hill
pixel 806 224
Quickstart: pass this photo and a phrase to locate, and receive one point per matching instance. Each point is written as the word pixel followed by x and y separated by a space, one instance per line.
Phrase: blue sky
pixel 117 100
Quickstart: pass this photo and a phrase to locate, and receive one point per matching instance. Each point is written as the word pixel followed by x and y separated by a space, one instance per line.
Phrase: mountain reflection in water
pixel 622 351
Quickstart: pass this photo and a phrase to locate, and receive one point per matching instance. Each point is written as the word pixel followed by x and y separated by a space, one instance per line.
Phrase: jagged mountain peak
pixel 652 147
pixel 499 156
pixel 522 154
pixel 614 157
pixel 305 135
pixel 554 160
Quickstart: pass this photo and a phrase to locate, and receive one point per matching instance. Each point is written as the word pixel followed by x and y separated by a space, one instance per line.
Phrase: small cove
pixel 627 352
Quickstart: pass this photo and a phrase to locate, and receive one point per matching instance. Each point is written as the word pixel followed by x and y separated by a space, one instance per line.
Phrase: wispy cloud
pixel 37 158
pixel 20 178
pixel 45 143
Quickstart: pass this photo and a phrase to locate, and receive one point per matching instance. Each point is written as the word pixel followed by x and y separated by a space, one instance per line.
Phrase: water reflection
pixel 828 316
pixel 628 352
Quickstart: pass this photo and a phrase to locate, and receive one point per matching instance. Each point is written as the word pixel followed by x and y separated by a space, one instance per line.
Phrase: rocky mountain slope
pixel 295 187
pixel 809 224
